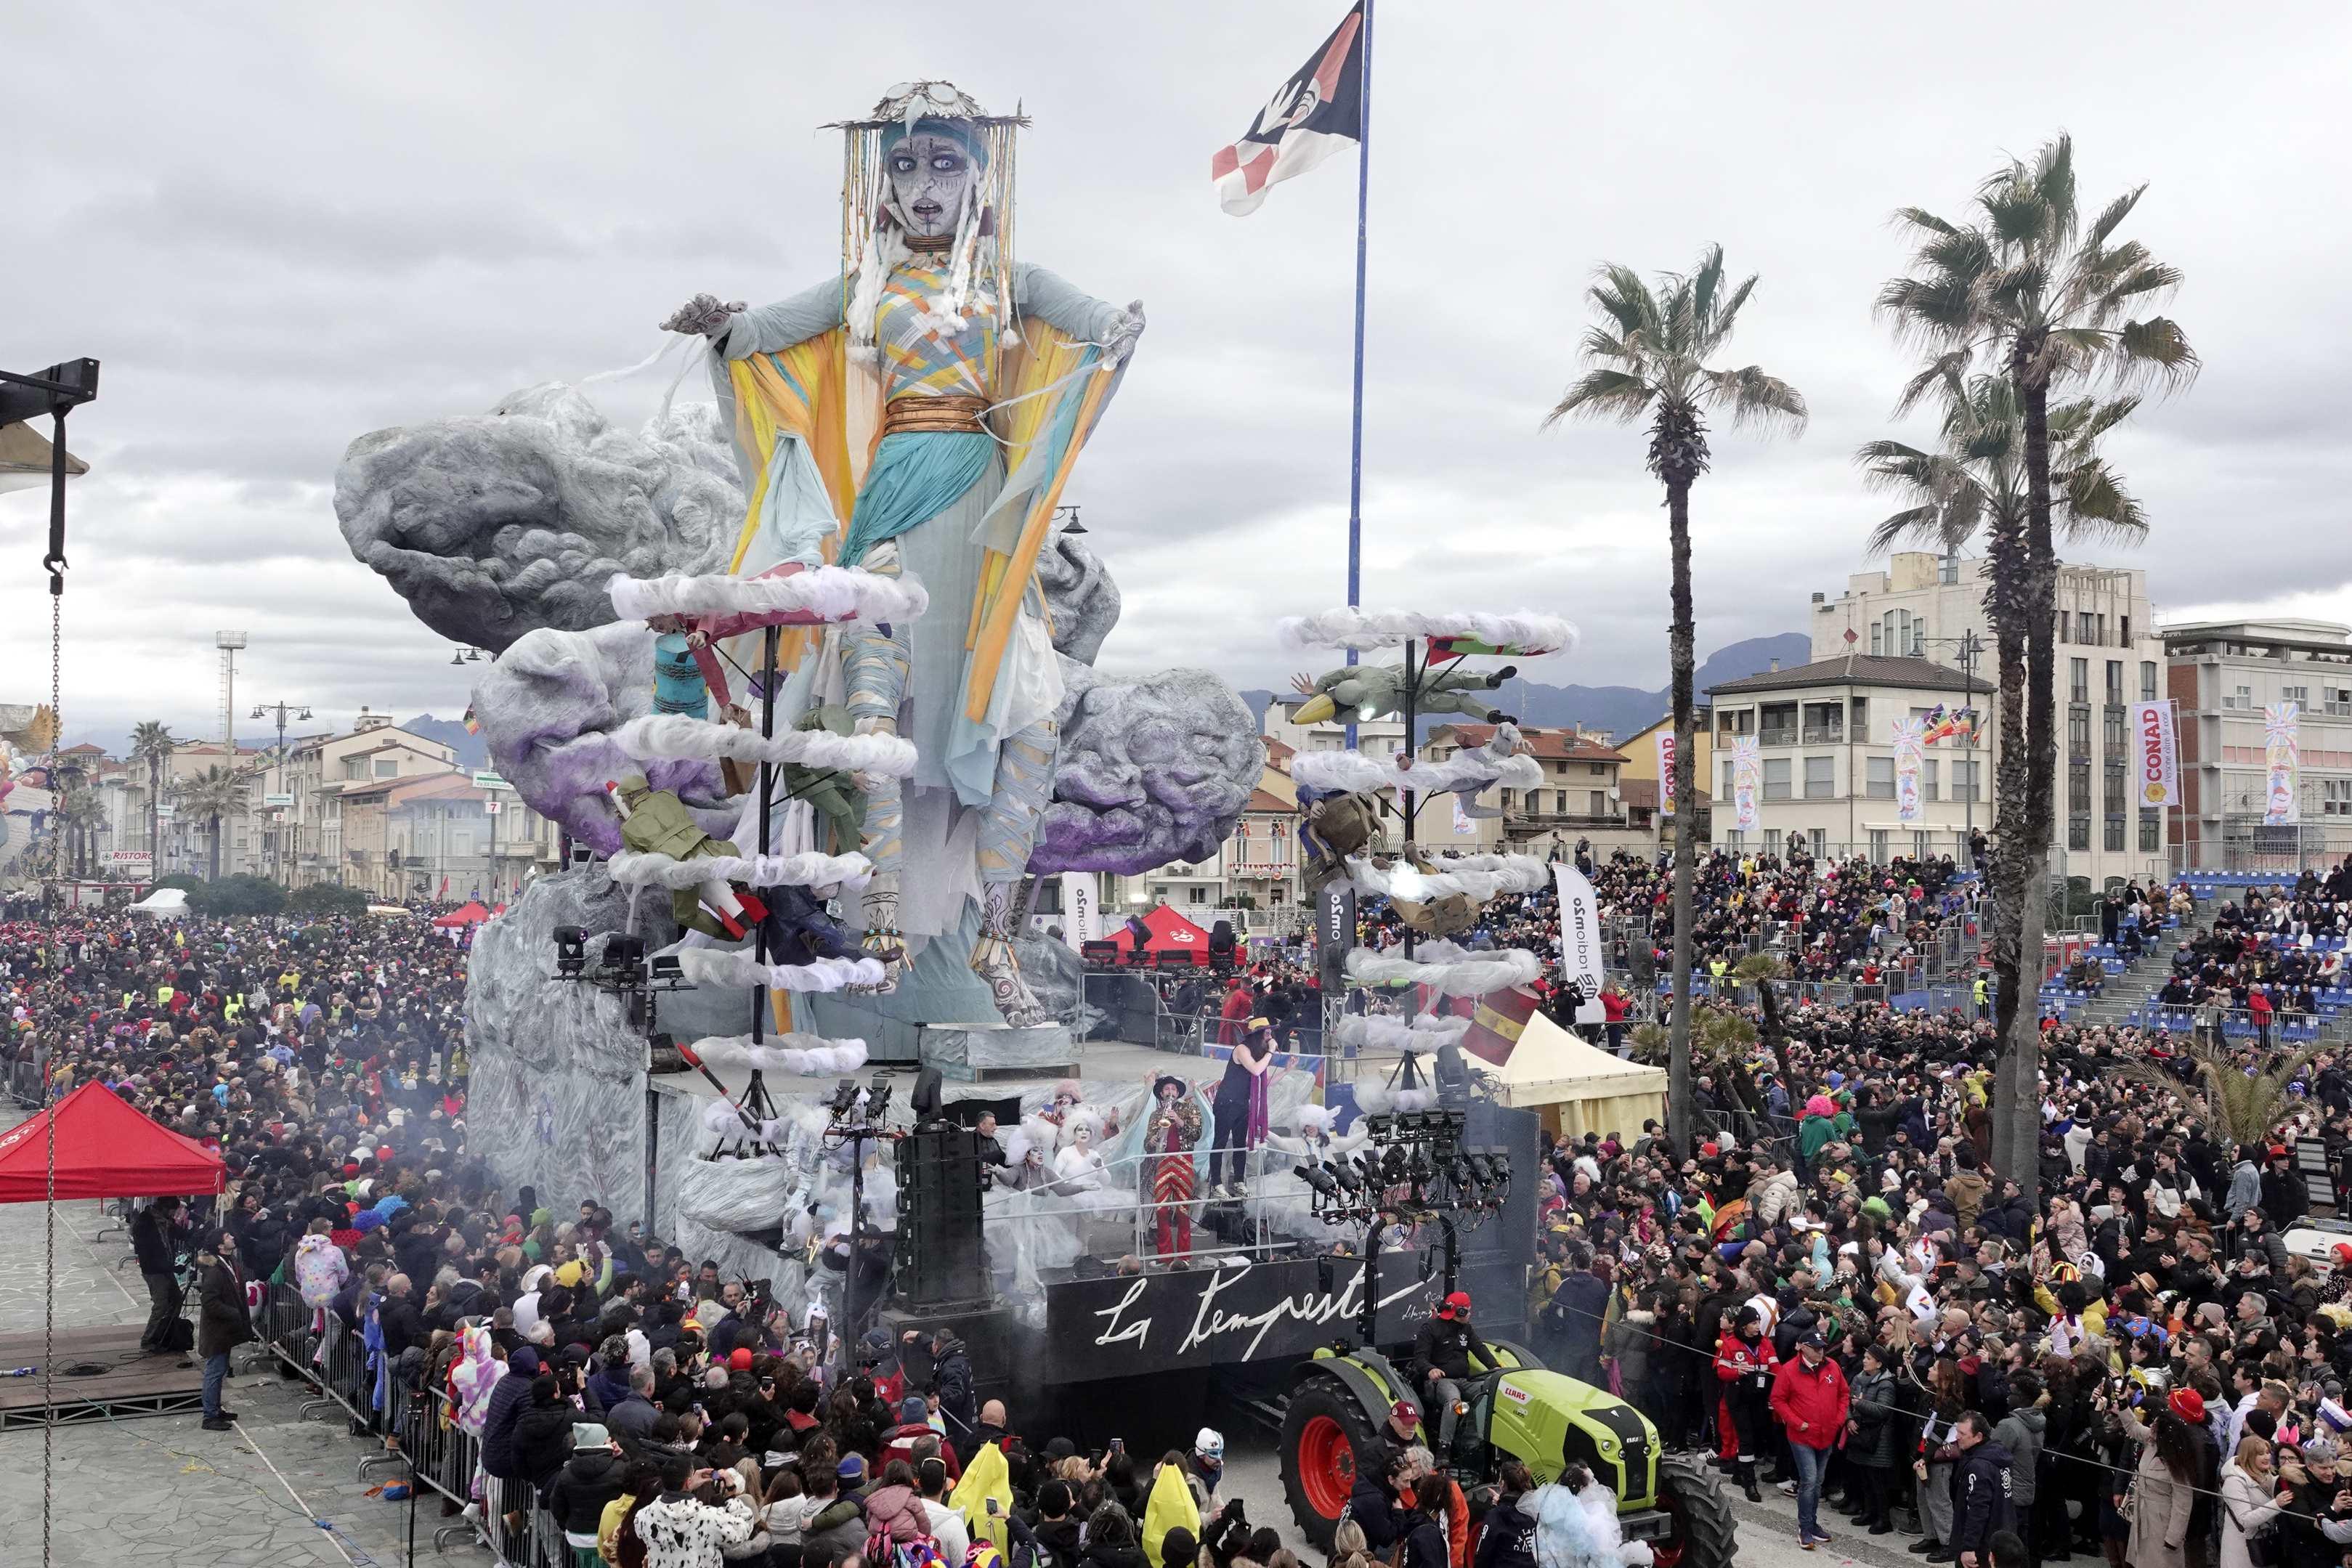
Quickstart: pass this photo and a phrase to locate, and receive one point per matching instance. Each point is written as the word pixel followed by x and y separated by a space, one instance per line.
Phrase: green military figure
pixel 656 823
pixel 1362 692
pixel 832 792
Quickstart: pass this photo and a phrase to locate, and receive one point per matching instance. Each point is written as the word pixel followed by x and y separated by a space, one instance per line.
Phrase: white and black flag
pixel 1320 110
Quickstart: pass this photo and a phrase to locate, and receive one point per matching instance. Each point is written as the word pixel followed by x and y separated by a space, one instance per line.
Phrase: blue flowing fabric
pixel 372 1340
pixel 917 474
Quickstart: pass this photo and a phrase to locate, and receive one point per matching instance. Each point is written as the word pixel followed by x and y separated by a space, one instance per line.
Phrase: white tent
pixel 1578 1088
pixel 164 904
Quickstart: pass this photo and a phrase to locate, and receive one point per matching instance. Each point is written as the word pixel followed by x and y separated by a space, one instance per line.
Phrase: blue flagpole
pixel 1356 434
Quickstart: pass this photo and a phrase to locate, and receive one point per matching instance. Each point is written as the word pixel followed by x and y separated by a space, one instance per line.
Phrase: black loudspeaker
pixel 939 1248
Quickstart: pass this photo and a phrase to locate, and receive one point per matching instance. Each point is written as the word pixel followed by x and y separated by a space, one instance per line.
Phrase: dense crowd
pixel 2138 1365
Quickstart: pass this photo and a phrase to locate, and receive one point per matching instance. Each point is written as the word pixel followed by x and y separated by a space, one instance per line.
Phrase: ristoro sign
pixel 1121 1327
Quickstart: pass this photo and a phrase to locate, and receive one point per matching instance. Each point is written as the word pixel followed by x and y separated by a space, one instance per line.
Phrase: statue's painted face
pixel 928 176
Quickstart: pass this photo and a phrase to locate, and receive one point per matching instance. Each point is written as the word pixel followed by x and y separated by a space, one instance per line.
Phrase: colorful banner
pixel 1747 782
pixel 1910 737
pixel 2283 750
pixel 1582 951
pixel 2155 754
pixel 1666 773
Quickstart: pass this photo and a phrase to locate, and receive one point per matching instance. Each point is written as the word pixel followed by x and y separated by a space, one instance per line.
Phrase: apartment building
pixel 2224 677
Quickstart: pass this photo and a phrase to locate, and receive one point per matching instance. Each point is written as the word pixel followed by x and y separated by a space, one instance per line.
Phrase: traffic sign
pixel 491 781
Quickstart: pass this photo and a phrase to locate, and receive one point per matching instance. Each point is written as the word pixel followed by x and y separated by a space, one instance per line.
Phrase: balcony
pixel 1774 736
pixel 1824 735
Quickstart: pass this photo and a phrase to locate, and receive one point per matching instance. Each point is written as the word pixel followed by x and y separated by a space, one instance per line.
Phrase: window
pixel 2122 630
pixel 1732 839
pixel 2078 832
pixel 2115 680
pixel 2151 831
pixel 2078 730
pixel 1776 779
pixel 1921 845
pixel 1876 639
pixel 1820 840
pixel 1559 802
pixel 2238 696
pixel 2335 797
pixel 2078 805
pixel 1881 784
pixel 1600 803
pixel 1196 895
pixel 1723 786
pixel 1778 725
pixel 1929 769
pixel 461 843
pixel 2078 680
pixel 1820 778
pixel 2339 700
pixel 1948 571
pixel 2111 729
pixel 2294 694
pixel 1878 846
pixel 2086 627
pixel 1771 842
pixel 1824 723
pixel 2115 833
pixel 355 768
pixel 2147 680
pixel 387 770
pixel 1859 730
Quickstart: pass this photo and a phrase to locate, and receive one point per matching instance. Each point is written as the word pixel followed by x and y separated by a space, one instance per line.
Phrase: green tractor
pixel 1339 1402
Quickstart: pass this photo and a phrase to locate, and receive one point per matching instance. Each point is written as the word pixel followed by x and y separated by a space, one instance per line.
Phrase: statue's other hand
pixel 705 313
pixel 1126 331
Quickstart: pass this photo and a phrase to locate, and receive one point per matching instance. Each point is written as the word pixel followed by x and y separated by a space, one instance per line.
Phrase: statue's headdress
pixel 873 239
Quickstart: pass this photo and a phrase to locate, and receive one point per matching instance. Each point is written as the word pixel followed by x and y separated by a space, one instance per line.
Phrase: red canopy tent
pixel 105 1149
pixel 1170 933
pixel 472 913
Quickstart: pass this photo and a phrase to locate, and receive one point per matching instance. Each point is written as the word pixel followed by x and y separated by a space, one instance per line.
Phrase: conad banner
pixel 1747 782
pixel 1665 772
pixel 1910 737
pixel 1081 909
pixel 2155 754
pixel 1581 952
pixel 2283 750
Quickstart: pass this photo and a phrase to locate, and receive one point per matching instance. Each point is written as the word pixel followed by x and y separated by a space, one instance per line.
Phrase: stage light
pixel 571 950
pixel 927 1096
pixel 625 956
pixel 845 1096
pixel 1394 1166
pixel 1501 1161
pixel 1480 1171
pixel 1345 1175
pixel 877 1100
pixel 1317 1179
pixel 666 967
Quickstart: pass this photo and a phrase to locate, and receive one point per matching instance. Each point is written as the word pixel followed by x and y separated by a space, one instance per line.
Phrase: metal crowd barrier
pixel 417 1431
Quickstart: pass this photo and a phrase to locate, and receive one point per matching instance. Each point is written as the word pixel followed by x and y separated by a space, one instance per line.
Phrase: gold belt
pixel 957 412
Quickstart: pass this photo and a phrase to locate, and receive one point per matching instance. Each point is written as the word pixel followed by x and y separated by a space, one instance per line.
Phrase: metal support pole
pixel 653 1151
pixel 1356 418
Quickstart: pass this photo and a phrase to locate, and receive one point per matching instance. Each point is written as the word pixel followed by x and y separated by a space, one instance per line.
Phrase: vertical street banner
pixel 2155 755
pixel 1335 933
pixel 1747 782
pixel 2282 751
pixel 1666 773
pixel 1081 908
pixel 1910 737
pixel 1582 951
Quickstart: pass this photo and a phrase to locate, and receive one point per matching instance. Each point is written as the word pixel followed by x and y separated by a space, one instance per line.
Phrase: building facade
pixel 1638 780
pixel 2109 653
pixel 1825 748
pixel 1579 799
pixel 2223 678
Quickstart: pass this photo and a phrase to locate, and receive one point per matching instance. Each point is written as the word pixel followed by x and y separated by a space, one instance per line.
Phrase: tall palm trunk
pixel 154 817
pixel 2023 1107
pixel 216 849
pixel 1681 1109
pixel 2007 602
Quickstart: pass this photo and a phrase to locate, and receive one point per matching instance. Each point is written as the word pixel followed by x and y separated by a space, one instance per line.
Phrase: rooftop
pixel 1857 670
pixel 1548 744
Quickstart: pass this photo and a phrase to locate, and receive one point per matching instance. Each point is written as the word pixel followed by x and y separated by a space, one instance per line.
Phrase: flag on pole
pixel 1306 119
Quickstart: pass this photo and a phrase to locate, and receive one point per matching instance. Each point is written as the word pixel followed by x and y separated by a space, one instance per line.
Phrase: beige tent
pixel 1578 1088
pixel 24 459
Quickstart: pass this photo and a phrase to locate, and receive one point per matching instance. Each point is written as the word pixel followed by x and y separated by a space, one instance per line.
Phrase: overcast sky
pixel 284 230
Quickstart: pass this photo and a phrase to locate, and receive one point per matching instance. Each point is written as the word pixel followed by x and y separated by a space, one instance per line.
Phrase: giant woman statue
pixel 918 415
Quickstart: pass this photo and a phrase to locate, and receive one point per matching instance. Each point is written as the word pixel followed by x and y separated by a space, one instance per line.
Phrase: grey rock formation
pixel 494 524
pixel 1080 597
pixel 1151 770
pixel 547 705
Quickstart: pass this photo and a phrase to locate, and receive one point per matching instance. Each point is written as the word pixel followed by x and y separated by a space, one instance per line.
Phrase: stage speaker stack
pixel 938 1247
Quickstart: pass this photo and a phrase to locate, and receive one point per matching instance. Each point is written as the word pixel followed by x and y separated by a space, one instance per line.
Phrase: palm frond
pixel 2097 506
pixel 1757 399
pixel 1603 395
pixel 2156 351
pixel 1920 218
pixel 2111 215
pixel 1621 296
pixel 1943 373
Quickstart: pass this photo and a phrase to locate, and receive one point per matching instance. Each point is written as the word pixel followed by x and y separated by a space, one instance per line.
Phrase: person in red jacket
pixel 1744 1360
pixel 1811 1401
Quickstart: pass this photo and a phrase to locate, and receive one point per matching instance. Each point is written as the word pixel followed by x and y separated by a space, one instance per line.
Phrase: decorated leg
pixel 875 671
pixel 1024 778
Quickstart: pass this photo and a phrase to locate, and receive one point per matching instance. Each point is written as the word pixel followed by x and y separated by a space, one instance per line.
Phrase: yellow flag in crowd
pixel 985 1476
pixel 1170 1507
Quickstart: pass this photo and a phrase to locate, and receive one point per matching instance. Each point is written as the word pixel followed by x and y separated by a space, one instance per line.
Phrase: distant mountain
pixel 1622 710
pixel 473 750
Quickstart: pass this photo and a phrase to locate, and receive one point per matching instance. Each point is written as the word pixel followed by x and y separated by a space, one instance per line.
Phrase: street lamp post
pixel 282 712
pixel 1971 648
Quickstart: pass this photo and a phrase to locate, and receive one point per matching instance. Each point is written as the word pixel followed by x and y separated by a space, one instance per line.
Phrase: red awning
pixel 1170 933
pixel 471 914
pixel 105 1149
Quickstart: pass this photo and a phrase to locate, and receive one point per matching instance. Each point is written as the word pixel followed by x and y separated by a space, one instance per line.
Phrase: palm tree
pixel 1648 356
pixel 2239 1102
pixel 76 810
pixel 152 743
pixel 2044 303
pixel 214 794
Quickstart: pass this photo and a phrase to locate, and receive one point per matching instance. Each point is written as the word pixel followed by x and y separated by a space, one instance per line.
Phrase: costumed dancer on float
pixel 931 400
pixel 1168 1137
pixel 1240 1109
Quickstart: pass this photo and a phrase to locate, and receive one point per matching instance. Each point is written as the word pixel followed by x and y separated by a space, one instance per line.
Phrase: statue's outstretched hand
pixel 1126 331
pixel 704 314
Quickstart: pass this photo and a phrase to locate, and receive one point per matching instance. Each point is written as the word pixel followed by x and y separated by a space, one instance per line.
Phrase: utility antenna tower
pixel 228 642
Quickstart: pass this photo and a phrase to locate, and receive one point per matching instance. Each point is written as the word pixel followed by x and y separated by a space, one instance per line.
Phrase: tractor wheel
pixel 1326 1435
pixel 1705 1535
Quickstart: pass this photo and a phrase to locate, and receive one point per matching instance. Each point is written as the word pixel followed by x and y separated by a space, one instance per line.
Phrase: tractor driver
pixel 1441 1358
